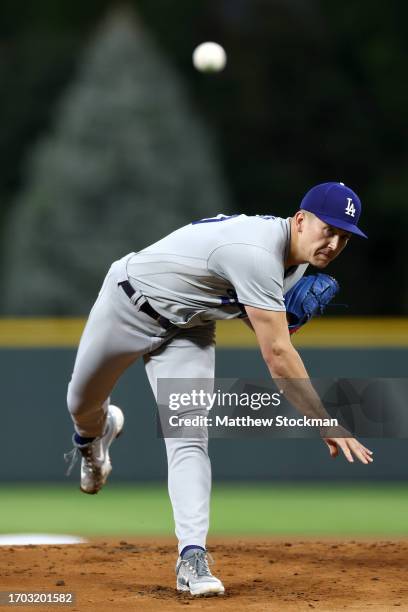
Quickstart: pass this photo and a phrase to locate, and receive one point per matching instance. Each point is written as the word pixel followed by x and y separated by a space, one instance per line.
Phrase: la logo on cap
pixel 350 208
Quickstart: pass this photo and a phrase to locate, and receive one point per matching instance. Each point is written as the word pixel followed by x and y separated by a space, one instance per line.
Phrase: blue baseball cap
pixel 335 204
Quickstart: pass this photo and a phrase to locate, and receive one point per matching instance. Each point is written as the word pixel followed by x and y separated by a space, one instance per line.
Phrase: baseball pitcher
pixel 162 303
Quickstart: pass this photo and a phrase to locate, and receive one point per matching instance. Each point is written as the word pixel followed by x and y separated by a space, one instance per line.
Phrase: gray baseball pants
pixel 115 336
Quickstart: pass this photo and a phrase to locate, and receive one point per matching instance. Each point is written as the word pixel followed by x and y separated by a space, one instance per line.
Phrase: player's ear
pixel 299 219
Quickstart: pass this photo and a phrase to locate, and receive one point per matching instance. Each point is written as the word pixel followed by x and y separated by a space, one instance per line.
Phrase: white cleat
pixel 96 464
pixel 194 575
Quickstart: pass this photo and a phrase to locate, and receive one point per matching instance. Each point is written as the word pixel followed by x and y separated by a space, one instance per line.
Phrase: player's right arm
pixel 285 363
pixel 273 337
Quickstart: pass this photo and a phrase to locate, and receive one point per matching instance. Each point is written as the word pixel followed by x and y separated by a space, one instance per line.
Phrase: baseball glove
pixel 309 297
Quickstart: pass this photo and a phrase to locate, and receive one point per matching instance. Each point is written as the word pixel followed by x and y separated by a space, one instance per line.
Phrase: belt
pixel 145 307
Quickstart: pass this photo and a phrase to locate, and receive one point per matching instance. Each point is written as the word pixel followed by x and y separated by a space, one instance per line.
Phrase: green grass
pixel 270 509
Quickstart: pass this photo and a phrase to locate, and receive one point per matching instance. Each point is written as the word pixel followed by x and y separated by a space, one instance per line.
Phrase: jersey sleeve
pixel 255 273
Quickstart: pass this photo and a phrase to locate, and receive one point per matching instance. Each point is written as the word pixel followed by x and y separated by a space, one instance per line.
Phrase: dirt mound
pixel 258 574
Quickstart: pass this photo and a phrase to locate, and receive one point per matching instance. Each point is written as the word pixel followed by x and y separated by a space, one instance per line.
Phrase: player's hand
pixel 351 448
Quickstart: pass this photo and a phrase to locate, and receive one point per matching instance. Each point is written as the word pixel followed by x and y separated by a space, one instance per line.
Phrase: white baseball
pixel 209 57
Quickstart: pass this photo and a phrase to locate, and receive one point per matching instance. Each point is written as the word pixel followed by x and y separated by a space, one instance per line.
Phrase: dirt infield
pixel 261 574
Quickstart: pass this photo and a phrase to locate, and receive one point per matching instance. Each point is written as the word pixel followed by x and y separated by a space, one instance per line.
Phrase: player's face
pixel 322 242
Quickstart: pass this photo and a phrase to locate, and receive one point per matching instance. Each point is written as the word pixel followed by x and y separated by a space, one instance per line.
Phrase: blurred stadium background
pixel 110 139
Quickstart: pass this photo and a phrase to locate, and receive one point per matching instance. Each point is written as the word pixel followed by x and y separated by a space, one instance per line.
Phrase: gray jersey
pixel 210 269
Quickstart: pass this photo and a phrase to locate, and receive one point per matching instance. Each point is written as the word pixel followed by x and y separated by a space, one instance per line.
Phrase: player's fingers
pixel 364 448
pixel 346 450
pixel 367 455
pixel 366 451
pixel 359 451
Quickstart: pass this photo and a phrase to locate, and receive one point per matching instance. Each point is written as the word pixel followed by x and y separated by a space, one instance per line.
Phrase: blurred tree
pixel 128 162
pixel 313 90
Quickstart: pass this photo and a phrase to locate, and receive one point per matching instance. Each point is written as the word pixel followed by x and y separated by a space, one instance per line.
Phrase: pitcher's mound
pixel 259 574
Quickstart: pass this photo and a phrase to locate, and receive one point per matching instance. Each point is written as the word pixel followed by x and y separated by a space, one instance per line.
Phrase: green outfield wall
pixel 36 430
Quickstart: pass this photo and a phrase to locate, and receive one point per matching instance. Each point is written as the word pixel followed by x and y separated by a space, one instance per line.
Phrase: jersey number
pixel 215 219
pixel 221 217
